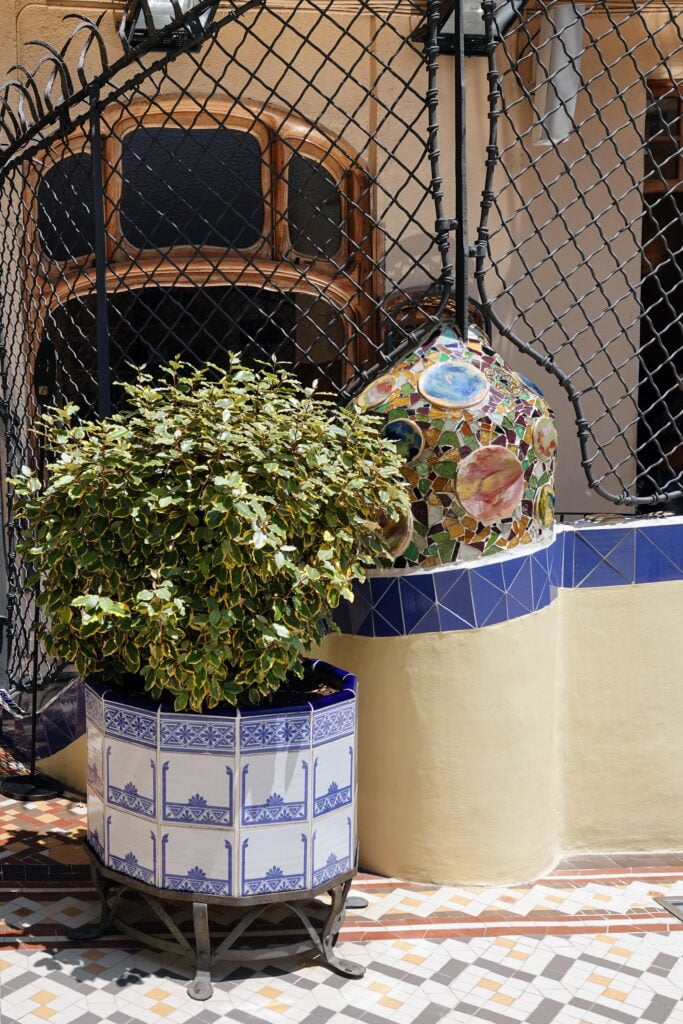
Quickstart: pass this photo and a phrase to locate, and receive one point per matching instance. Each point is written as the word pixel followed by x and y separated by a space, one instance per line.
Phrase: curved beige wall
pixel 457 750
pixel 68 765
pixel 486 753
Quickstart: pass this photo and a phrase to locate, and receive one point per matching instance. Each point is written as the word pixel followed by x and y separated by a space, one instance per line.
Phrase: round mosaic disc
pixel 407 436
pixel 545 438
pixel 398 535
pixel 379 391
pixel 490 483
pixel 453 385
pixel 544 506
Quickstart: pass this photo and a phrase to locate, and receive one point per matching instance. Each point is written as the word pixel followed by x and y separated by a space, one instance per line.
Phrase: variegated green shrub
pixel 199 537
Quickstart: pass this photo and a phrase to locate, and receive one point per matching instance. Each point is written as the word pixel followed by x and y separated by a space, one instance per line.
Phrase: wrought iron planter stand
pixel 322 936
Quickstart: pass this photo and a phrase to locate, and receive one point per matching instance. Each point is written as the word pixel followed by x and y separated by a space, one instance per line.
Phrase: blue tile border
pixel 486 592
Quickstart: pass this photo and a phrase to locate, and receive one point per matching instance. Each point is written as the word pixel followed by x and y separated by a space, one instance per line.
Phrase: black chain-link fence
pixel 580 254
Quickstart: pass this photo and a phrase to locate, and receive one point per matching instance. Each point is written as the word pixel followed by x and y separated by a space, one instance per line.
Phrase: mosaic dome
pixel 479 446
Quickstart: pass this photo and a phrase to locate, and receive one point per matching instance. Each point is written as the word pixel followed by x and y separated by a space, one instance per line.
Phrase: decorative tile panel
pixel 275 732
pixel 333 845
pixel 196 792
pixel 205 734
pixel 604 558
pixel 96 823
pixel 275 788
pixel 334 723
pixel 130 723
pixel 274 862
pixel 130 774
pixel 197 860
pixel 95 764
pixel 333 777
pixel 131 845
pixel 659 553
pixel 94 708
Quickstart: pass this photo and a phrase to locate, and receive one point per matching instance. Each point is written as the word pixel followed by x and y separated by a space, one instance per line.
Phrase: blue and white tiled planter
pixel 231 803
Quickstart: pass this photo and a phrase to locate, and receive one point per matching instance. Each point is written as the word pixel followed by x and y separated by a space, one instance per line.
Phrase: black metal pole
pixel 102 315
pixel 462 245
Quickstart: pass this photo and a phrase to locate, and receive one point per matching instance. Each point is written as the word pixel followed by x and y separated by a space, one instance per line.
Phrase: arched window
pixel 228 226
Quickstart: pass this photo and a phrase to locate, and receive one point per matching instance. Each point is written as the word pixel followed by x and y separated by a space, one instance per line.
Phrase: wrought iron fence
pixel 580 246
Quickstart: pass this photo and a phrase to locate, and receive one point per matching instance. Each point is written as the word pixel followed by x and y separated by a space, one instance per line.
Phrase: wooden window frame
pixel 347 281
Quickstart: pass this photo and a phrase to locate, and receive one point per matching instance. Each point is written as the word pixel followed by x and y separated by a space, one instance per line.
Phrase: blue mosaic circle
pixel 453 385
pixel 407 436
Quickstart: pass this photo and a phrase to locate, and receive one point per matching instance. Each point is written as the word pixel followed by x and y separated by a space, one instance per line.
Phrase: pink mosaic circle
pixel 490 483
pixel 545 438
pixel 379 391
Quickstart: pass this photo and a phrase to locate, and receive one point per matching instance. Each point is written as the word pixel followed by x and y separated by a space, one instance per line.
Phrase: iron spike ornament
pixel 145 19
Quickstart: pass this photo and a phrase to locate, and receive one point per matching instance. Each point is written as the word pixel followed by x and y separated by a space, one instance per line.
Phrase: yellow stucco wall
pixel 68 765
pixel 457 750
pixel 621 713
pixel 486 753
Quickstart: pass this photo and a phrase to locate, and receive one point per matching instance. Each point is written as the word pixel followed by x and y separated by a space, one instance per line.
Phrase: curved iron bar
pixel 57 72
pixel 6 105
pixel 442 225
pixel 483 262
pixel 442 230
pixel 93 29
pixel 31 84
pixel 55 57
pixel 24 94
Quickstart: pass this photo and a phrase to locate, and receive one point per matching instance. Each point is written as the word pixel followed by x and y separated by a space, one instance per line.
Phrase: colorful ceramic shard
pixel 544 506
pixel 379 391
pixel 455 384
pixel 490 483
pixel 545 438
pixel 407 436
pixel 530 385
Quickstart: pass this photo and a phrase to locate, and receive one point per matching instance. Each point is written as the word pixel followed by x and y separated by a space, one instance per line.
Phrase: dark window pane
pixel 191 188
pixel 661 118
pixel 65 225
pixel 661 160
pixel 152 325
pixel 314 209
pixel 660 398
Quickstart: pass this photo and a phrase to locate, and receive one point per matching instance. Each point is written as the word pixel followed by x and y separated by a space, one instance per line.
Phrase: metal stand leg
pixel 107 912
pixel 331 930
pixel 355 902
pixel 201 988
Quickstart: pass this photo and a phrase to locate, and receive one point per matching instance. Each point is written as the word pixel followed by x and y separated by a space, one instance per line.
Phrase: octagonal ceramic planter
pixel 230 803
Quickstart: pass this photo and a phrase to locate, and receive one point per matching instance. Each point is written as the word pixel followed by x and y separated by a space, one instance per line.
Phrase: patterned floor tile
pixel 585 945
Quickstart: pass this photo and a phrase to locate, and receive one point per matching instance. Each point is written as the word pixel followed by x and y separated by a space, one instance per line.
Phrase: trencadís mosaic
pixel 479 446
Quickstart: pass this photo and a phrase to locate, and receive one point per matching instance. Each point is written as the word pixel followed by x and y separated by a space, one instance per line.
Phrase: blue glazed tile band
pixel 487 592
